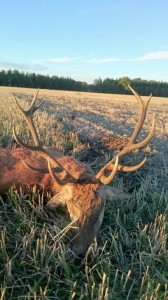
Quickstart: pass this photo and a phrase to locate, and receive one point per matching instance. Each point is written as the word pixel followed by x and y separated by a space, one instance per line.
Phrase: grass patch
pixel 129 260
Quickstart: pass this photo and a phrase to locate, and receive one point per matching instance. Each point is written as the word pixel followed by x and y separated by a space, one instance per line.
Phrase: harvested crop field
pixel 129 259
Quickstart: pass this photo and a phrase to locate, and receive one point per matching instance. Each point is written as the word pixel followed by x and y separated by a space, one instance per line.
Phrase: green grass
pixel 128 260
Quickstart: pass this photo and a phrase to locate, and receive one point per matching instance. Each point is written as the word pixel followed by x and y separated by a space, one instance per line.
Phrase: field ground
pixel 129 260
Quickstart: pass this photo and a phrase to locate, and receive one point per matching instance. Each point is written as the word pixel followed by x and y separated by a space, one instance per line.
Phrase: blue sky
pixel 85 39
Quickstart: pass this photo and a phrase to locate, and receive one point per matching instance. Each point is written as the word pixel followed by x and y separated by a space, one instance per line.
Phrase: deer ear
pixel 110 193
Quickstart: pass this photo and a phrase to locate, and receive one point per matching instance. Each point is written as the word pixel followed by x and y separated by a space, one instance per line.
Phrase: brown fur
pixel 13 171
pixel 85 204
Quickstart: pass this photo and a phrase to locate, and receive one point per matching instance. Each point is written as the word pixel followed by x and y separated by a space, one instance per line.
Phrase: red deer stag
pixel 72 183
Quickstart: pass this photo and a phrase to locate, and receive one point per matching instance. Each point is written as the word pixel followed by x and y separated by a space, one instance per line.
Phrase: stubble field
pixel 129 260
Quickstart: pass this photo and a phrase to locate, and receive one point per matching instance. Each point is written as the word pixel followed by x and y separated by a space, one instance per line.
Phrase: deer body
pixel 84 199
pixel 82 196
pixel 14 171
pixel 71 183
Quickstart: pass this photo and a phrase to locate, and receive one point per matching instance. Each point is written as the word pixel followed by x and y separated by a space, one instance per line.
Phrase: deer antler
pixel 131 145
pixel 28 115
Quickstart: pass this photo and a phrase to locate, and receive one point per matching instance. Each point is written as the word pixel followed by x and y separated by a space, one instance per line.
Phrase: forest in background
pixel 16 78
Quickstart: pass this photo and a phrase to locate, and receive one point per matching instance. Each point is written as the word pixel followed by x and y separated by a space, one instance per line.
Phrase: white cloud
pixel 103 60
pixel 67 59
pixel 60 59
pixel 154 56
pixel 45 65
pixel 160 55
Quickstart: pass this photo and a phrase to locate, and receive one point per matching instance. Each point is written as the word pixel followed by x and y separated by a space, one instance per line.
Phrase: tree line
pixel 114 86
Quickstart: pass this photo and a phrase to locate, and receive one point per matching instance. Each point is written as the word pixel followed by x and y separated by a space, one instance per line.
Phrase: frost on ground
pixel 130 258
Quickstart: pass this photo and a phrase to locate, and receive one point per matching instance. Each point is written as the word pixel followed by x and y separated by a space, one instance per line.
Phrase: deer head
pixel 74 185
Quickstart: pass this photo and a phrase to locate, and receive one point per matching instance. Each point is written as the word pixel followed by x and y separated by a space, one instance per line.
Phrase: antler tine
pixel 143 105
pixel 107 179
pixel 34 99
pixel 54 176
pixel 32 107
pixel 28 115
pixel 130 146
pixel 111 167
